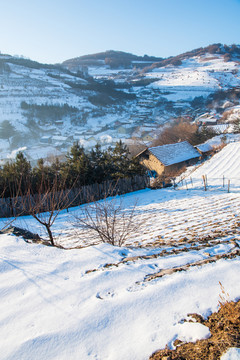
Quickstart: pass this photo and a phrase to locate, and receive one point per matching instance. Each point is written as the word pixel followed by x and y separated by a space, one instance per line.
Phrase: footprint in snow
pixel 153 266
pixel 107 294
pixel 136 287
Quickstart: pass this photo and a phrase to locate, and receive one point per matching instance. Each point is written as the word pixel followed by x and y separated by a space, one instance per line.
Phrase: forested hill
pixel 118 59
pixel 115 59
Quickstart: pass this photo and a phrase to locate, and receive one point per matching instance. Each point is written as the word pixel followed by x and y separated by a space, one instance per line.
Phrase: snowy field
pixel 113 303
pixel 220 170
pixel 198 76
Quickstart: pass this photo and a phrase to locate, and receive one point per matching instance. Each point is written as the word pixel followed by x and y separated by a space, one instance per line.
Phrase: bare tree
pixel 179 130
pixel 46 205
pixel 108 220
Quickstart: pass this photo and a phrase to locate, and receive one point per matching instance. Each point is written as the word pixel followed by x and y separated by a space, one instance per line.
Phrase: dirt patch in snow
pixel 224 327
pixel 28 236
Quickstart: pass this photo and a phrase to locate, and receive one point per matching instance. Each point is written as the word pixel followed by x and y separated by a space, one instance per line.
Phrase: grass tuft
pixel 224 326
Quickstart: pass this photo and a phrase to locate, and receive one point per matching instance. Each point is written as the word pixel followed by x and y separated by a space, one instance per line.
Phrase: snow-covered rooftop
pixel 174 153
pixel 204 147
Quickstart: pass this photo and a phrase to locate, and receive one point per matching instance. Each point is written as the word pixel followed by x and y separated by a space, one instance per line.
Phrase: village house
pixel 59 122
pixel 206 119
pixel 46 139
pixel 165 159
pixel 205 149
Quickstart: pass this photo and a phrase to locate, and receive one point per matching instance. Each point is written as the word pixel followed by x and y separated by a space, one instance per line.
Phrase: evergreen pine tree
pixel 77 167
pixel 121 160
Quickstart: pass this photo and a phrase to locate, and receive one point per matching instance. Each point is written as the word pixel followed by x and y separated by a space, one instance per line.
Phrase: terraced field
pixel 99 301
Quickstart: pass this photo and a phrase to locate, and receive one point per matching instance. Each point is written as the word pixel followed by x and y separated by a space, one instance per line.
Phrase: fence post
pixel 174 184
pixel 228 186
pixel 223 180
pixel 204 182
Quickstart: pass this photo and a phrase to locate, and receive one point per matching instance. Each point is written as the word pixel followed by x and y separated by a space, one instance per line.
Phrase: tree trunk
pixel 50 234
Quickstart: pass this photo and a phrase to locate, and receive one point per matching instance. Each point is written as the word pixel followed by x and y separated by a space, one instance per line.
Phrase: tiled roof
pixel 174 153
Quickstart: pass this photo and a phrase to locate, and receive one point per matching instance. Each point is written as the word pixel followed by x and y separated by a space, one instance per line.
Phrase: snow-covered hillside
pixel 109 303
pixel 33 84
pixel 219 170
pixel 129 103
pixel 198 76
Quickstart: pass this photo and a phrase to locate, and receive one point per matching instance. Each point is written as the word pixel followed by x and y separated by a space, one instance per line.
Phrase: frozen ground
pixel 110 303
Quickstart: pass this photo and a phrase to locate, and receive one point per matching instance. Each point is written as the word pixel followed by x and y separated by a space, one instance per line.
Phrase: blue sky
pixel 52 31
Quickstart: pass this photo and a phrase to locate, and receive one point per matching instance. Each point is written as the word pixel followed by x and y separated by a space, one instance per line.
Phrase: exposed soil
pixel 28 236
pixel 224 327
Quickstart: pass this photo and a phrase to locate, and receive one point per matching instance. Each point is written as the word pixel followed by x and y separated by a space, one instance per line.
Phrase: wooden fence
pixel 213 183
pixel 21 205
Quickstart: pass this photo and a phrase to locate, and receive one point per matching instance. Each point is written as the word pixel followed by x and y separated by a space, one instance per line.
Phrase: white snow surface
pixel 198 76
pixel 206 74
pixel 52 307
pixel 191 332
pixel 221 169
pixel 231 354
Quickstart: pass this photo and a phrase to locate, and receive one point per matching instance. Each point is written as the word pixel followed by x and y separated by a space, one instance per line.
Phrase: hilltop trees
pixel 181 130
pixel 115 63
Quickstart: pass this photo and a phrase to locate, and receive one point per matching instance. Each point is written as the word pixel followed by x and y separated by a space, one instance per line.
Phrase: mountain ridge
pixel 125 59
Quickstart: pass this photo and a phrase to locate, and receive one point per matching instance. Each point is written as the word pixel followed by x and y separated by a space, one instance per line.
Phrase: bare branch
pixel 46 205
pixel 108 220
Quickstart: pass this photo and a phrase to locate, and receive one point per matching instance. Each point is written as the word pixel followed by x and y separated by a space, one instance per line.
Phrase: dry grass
pixel 224 326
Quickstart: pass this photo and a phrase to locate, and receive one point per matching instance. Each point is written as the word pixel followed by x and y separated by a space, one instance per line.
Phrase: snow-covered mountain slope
pixel 222 168
pixel 110 303
pixel 25 86
pixel 36 86
pixel 110 103
pixel 198 76
pixel 177 86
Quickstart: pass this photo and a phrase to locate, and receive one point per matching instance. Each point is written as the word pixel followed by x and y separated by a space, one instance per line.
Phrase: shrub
pixel 108 220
